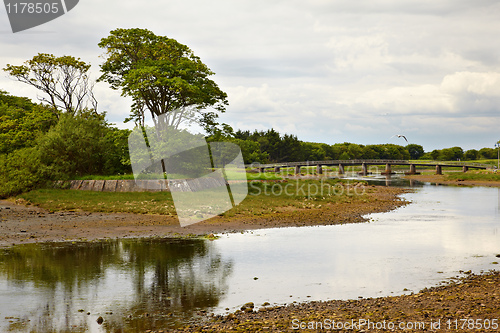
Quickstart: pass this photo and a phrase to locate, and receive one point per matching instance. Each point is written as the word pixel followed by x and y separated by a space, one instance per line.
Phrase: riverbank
pixel 467 304
pixel 22 222
pixel 456 181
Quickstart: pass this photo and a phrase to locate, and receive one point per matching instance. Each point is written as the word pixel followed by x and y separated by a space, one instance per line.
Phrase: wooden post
pixel 319 169
pixel 438 170
pixel 276 169
pixel 388 169
pixel 465 168
pixel 261 170
pixel 297 169
pixel 364 171
pixel 341 169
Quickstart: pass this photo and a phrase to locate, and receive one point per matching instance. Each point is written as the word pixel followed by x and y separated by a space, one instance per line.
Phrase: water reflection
pixel 134 285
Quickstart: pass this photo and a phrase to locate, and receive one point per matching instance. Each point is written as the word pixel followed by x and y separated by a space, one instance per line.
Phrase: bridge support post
pixel 413 170
pixel 276 169
pixel 341 169
pixel 261 170
pixel 364 170
pixel 319 169
pixel 465 168
pixel 297 169
pixel 388 169
pixel 438 170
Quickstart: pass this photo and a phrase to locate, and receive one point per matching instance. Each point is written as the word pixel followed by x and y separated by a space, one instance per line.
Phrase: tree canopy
pixel 64 79
pixel 161 75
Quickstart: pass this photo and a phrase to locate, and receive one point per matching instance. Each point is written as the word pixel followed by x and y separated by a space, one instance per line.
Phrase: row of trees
pixel 36 146
pixel 66 136
pixel 271 146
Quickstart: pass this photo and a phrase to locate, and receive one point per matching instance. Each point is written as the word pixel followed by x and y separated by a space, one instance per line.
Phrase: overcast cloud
pixel 326 71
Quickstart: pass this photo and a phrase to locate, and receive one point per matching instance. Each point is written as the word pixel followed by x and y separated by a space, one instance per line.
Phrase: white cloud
pixel 324 70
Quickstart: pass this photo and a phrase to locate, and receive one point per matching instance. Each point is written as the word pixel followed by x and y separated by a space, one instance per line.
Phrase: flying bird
pixel 400 136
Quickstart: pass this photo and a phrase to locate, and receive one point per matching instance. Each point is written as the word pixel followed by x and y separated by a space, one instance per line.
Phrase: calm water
pixel 148 284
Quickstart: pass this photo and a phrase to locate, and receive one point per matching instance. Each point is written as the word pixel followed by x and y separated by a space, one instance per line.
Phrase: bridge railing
pixel 460 163
pixel 358 162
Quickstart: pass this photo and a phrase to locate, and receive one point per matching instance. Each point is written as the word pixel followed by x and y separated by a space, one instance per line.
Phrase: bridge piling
pixel 364 171
pixel 341 169
pixel 438 170
pixel 277 169
pixel 297 169
pixel 319 169
pixel 387 169
pixel 465 168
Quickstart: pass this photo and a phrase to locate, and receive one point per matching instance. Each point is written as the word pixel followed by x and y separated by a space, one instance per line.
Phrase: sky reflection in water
pixel 148 284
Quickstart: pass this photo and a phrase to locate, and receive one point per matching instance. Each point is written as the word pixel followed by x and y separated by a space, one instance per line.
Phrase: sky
pixel 324 70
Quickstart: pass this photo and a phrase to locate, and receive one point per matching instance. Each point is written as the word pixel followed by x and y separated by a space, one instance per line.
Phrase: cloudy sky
pixel 324 70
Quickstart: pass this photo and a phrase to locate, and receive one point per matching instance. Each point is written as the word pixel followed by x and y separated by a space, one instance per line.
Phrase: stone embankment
pixel 153 185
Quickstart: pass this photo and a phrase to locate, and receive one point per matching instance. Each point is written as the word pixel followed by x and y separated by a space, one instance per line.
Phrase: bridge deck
pixel 369 162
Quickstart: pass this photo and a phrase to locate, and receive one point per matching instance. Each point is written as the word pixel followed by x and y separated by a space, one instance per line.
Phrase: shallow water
pixel 146 284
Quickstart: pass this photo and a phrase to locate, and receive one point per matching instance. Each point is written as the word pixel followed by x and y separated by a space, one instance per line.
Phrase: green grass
pixel 108 202
pixel 474 175
pixel 264 198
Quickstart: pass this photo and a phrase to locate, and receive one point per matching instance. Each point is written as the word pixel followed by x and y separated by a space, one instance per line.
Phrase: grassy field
pixel 264 198
pixel 474 175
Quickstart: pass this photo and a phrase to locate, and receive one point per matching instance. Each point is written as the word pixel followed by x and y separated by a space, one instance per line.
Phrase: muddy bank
pixel 469 304
pixel 27 224
pixel 441 179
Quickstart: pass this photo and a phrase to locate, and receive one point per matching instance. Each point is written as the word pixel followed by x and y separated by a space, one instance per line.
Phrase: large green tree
pixel 161 75
pixel 65 80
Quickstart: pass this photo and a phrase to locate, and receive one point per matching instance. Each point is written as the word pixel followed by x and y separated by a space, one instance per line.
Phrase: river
pixel 144 284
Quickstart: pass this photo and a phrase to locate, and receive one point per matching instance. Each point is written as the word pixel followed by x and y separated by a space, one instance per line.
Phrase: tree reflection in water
pixel 133 284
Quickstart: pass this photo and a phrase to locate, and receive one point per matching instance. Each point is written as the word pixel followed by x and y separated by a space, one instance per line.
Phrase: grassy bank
pixel 474 175
pixel 264 198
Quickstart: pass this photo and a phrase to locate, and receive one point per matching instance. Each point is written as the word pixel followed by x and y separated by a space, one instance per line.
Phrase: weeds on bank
pixel 263 198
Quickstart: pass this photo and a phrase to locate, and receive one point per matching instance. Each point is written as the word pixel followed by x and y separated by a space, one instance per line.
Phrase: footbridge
pixel 342 164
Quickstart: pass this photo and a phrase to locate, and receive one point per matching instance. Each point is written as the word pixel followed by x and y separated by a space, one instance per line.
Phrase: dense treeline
pixel 37 147
pixel 270 146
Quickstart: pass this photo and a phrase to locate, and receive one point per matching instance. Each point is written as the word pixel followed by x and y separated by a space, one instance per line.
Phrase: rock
pixel 248 307
pixel 100 320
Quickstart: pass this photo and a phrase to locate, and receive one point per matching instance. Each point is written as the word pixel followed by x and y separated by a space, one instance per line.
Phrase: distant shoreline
pixel 441 180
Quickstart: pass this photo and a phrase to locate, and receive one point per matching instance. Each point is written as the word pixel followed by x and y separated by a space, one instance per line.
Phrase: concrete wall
pixel 181 185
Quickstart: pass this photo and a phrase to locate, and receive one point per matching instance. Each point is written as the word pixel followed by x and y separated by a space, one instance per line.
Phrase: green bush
pixel 23 171
pixel 83 145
